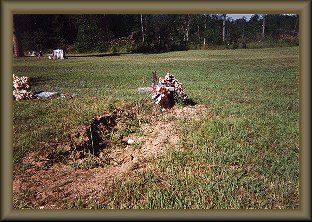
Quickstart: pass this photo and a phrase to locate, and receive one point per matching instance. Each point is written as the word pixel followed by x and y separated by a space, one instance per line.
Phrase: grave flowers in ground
pixel 21 88
pixel 167 91
pixel 21 91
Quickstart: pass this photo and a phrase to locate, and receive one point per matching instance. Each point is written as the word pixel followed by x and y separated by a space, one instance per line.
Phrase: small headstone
pixel 58 54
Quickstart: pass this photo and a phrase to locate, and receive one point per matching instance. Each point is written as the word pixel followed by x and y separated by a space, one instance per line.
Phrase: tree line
pixel 148 32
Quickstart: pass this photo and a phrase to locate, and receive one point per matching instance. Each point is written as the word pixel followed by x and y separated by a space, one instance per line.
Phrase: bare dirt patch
pixel 54 185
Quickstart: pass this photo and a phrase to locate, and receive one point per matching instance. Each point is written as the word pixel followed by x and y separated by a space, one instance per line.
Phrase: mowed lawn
pixel 244 154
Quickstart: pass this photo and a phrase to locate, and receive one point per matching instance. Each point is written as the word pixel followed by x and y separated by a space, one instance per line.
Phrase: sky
pixel 237 16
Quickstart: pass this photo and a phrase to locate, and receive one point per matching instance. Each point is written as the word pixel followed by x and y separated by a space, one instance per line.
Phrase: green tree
pixel 253 28
pixel 91 33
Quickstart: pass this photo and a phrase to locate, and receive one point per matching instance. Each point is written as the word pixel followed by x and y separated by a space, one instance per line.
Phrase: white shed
pixel 58 54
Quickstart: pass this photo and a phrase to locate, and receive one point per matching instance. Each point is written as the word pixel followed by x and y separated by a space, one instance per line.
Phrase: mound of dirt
pixel 52 187
pixel 94 137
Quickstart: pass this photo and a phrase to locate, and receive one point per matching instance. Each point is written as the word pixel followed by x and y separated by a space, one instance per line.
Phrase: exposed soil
pixel 49 182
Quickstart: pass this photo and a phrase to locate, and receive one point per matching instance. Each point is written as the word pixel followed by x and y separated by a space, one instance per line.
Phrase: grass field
pixel 244 153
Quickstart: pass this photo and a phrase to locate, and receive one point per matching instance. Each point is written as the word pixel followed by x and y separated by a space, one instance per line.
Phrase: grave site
pixel 210 129
pixel 92 147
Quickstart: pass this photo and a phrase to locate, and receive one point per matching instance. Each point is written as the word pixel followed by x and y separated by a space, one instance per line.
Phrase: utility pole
pixel 205 30
pixel 223 31
pixel 263 25
pixel 142 28
pixel 187 27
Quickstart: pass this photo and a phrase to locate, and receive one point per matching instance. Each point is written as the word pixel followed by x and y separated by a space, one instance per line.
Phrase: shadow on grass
pixel 189 102
pixel 95 55
pixel 121 53
pixel 37 81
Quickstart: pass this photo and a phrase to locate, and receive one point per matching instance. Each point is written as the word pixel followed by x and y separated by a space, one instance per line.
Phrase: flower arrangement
pixel 168 91
pixel 21 88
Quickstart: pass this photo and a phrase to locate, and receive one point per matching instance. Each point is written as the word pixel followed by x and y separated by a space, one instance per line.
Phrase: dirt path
pixel 50 188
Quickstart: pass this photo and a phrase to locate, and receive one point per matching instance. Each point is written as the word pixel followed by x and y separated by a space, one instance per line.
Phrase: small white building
pixel 57 54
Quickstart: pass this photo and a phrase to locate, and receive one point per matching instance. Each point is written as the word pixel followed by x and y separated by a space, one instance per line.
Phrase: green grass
pixel 244 154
